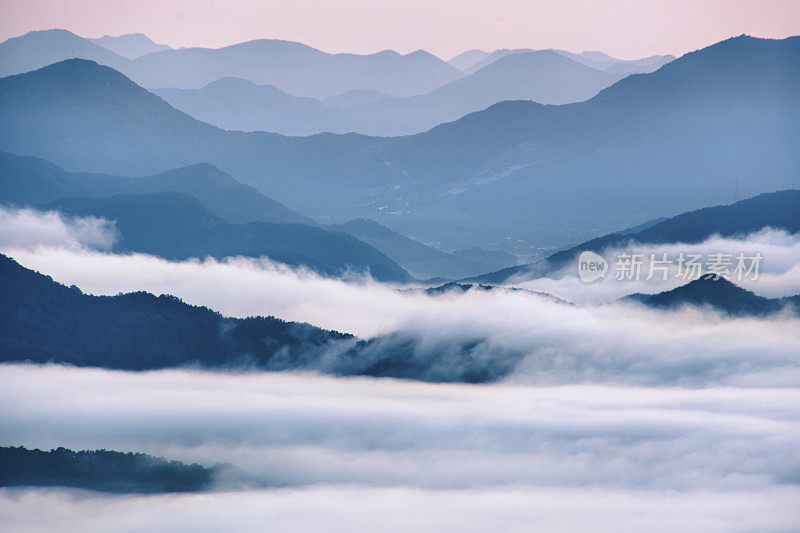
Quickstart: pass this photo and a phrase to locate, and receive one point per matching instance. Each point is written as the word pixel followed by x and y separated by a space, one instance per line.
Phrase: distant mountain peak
pixel 233 81
pixel 719 293
pixel 422 53
pixel 80 75
pixel 130 45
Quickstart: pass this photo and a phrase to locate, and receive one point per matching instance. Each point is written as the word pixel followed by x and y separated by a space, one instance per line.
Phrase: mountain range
pixel 195 211
pixel 474 60
pixel 177 226
pixel 237 100
pixel 518 174
pixel 31 181
pixel 545 77
pixel 27 181
pixel 294 67
pixel 131 45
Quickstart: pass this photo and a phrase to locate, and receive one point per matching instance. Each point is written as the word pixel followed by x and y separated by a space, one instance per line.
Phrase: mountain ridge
pixel 545 77
pixel 296 68
pixel 778 210
pixel 177 226
pixel 720 294
pixel 538 175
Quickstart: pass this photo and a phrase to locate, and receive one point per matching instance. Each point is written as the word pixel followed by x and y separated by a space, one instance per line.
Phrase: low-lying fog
pixel 617 417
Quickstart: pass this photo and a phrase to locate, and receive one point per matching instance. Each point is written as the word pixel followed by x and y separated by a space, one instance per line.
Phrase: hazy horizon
pixel 445 29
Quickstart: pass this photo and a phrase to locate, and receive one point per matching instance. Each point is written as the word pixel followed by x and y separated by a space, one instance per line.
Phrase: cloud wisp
pixel 778 273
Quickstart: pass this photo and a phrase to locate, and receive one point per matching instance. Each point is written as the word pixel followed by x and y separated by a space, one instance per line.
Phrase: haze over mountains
pixel 195 211
pixel 30 181
pixel 779 210
pixel 264 85
pixel 294 67
pixel 183 202
pixel 423 262
pixel 38 49
pixel 474 60
pixel 518 172
pixel 131 45
pixel 545 77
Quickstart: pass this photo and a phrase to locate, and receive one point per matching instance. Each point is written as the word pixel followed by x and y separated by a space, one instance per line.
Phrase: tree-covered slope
pixel 41 321
pixel 100 470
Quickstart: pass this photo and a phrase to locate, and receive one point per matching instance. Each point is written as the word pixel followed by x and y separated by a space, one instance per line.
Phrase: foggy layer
pixel 613 417
pixel 304 450
pixel 401 509
pixel 532 338
pixel 279 429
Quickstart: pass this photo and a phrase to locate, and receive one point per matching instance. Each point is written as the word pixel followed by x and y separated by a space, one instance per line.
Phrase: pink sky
pixel 624 28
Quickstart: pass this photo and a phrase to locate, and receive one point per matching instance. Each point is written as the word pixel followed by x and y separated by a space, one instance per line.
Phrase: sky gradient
pixel 624 28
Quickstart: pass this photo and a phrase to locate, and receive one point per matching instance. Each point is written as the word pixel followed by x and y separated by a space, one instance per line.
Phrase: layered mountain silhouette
pixel 356 97
pixel 295 68
pixel 720 294
pixel 474 60
pixel 30 181
pixel 251 92
pixel 131 45
pixel 178 226
pixel 649 145
pixel 27 181
pixel 465 60
pixel 237 104
pixel 779 210
pixel 194 211
pixel 38 49
pixel 546 77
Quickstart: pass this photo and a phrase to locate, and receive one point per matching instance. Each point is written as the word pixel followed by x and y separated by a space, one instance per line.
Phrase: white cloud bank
pixel 547 341
pixel 542 340
pixel 638 420
pixel 337 509
pixel 30 228
pixel 333 453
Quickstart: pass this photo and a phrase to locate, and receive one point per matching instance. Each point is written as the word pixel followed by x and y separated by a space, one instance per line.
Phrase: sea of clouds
pixel 530 337
pixel 611 417
pixel 309 452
